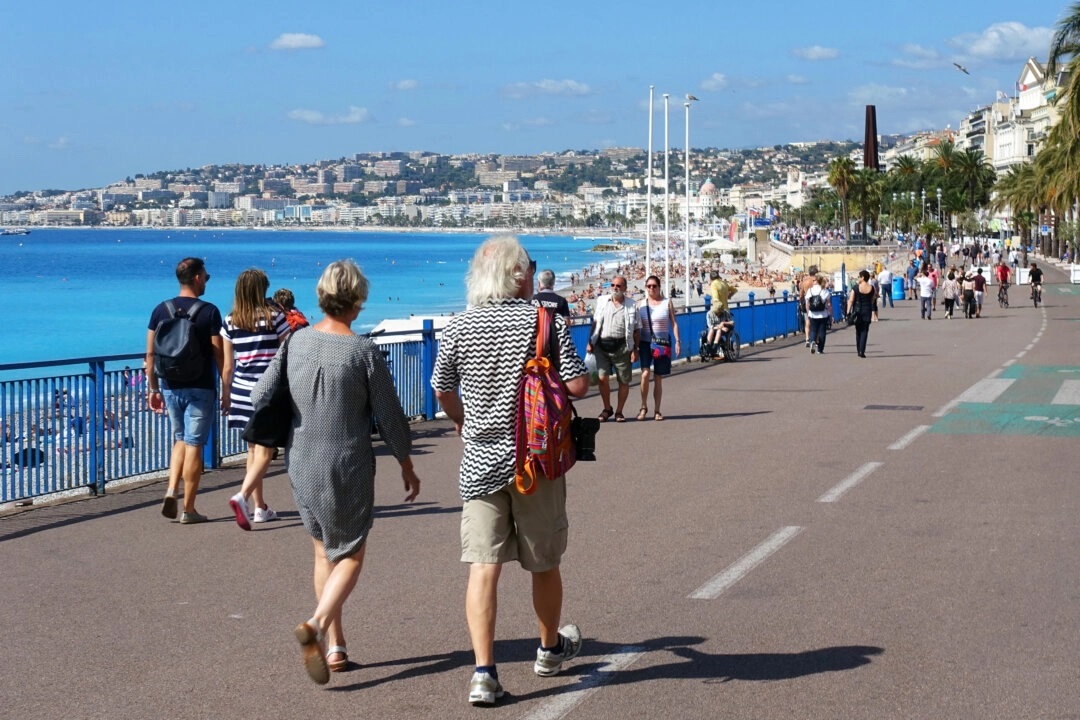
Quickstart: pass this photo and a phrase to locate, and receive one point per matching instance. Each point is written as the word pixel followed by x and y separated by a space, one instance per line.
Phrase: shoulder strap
pixel 195 307
pixel 170 306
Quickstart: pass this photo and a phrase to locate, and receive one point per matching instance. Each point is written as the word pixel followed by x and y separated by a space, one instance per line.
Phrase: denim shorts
pixel 191 411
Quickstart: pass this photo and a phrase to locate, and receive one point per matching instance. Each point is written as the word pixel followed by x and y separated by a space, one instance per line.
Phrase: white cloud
pixel 540 122
pixel 876 94
pixel 565 88
pixel 716 81
pixel 406 122
pixel 816 52
pixel 404 85
pixel 60 143
pixel 314 117
pixel 296 41
pixel 918 57
pixel 797 79
pixel 1004 41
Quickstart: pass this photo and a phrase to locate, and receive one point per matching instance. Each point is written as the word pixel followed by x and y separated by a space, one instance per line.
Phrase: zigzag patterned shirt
pixel 483 352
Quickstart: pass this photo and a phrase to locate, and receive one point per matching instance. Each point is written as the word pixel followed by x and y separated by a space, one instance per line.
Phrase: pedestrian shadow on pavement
pixel 706 667
pixel 507 651
pixel 413 509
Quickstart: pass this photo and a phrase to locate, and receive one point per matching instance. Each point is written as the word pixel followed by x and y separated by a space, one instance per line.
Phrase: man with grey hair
pixel 546 295
pixel 482 353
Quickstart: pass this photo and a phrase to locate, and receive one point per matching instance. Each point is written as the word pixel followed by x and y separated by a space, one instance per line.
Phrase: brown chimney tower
pixel 870 144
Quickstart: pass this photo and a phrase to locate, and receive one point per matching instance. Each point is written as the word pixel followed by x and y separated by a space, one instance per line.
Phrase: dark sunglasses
pixel 532 265
pixel 652 285
pixel 617 287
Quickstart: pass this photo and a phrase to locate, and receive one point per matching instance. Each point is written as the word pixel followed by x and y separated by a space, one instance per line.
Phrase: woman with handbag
pixel 337 380
pixel 862 309
pixel 657 322
pixel 252 333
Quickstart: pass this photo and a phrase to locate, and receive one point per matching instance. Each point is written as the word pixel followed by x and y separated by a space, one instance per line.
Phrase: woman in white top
pixel 656 318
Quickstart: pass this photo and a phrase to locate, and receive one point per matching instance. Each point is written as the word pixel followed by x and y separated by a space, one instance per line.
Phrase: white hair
pixel 496 271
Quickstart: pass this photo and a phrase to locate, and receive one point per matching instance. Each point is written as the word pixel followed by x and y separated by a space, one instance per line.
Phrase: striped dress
pixel 252 353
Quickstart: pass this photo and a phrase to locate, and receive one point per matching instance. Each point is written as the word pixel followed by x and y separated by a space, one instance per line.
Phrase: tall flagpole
pixel 667 203
pixel 686 239
pixel 648 192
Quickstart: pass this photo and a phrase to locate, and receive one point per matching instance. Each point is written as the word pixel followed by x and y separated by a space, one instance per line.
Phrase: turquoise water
pixel 72 293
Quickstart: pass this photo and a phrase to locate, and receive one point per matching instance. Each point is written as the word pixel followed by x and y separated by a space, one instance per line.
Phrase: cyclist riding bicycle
pixel 1002 273
pixel 1035 277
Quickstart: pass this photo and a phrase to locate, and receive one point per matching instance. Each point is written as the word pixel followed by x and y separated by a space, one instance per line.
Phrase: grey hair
pixel 341 288
pixel 496 271
pixel 545 279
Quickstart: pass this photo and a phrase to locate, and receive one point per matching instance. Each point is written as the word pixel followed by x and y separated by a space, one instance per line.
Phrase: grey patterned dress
pixel 336 381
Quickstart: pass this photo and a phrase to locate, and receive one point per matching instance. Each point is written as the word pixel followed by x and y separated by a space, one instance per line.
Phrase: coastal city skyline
pixel 95 97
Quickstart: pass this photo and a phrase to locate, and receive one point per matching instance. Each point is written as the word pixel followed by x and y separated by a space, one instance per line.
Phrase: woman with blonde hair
pixel 252 333
pixel 337 380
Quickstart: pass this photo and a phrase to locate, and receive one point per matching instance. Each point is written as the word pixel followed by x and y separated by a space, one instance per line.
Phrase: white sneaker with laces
pixel 550 663
pixel 266 515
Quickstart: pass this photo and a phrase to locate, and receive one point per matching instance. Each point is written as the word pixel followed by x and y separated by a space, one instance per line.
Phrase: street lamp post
pixel 892 212
pixel 667 202
pixel 686 240
pixel 940 215
pixel 923 205
pixel 648 192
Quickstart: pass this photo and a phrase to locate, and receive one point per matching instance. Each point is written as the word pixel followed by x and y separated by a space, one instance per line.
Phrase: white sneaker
pixel 240 508
pixel 550 663
pixel 484 689
pixel 266 515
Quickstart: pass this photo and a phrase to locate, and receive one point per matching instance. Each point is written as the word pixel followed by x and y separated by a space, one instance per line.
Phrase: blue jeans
pixel 886 294
pixel 191 412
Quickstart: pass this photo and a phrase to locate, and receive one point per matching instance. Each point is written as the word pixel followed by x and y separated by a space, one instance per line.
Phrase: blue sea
pixel 75 293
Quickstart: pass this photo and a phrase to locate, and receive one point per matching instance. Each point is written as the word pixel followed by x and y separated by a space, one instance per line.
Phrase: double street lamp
pixel 941 216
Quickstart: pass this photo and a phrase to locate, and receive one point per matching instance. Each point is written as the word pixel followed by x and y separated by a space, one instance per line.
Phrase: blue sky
pixel 95 92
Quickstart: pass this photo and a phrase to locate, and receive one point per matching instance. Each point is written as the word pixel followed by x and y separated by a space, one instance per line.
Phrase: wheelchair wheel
pixel 732 347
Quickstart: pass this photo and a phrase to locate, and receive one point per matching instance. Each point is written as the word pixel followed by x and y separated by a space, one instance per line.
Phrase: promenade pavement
pixel 804 536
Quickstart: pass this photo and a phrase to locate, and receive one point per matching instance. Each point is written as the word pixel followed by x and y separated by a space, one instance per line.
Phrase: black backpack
pixel 817 302
pixel 178 352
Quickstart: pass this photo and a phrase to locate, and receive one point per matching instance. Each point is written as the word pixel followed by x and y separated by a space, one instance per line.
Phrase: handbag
pixel 659 347
pixel 271 421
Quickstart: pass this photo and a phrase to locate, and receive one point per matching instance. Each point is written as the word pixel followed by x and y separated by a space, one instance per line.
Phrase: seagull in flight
pixel 690 97
pixel 961 68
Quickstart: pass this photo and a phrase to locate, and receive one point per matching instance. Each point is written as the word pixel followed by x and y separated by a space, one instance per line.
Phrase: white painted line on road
pixel 560 705
pixel 1021 354
pixel 712 589
pixel 1029 346
pixel 909 438
pixel 986 390
pixel 849 482
pixel 1068 394
pixel 1009 362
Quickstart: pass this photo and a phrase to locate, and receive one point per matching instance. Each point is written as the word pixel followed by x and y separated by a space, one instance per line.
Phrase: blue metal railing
pixel 85 429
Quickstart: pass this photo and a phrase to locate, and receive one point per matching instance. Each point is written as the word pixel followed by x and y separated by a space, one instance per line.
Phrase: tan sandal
pixel 340 664
pixel 310 640
pixel 642 413
pixel 658 417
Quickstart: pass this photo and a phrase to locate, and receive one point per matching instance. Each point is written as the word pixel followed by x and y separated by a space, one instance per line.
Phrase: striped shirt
pixel 252 353
pixel 483 352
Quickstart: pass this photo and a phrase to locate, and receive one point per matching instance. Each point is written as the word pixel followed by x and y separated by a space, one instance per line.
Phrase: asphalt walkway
pixel 804 536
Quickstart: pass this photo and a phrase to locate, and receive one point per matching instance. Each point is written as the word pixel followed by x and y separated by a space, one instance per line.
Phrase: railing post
pixel 786 318
pixel 427 363
pixel 95 427
pixel 753 322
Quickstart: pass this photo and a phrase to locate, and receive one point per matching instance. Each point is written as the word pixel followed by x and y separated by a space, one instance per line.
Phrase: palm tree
pixel 1018 192
pixel 841 177
pixel 1066 42
pixel 975 174
pixel 907 171
pixel 867 187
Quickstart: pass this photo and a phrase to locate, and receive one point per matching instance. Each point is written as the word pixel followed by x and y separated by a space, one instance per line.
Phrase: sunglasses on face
pixel 618 287
pixel 652 286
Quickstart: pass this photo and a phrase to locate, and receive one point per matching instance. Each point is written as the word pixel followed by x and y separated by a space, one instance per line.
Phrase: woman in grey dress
pixel 337 380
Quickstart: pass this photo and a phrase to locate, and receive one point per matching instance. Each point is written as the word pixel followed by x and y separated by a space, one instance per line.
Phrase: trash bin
pixel 898 288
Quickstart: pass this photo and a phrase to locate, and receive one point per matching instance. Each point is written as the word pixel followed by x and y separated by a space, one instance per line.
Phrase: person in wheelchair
pixel 720 323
